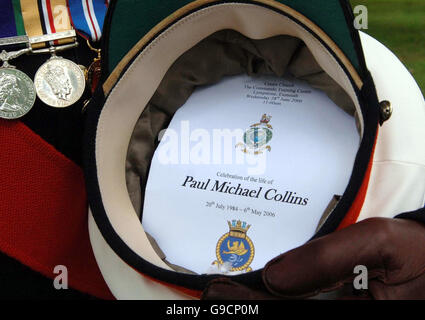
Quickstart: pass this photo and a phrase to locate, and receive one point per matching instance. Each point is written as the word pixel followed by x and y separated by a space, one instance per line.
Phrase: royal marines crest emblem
pixel 257 137
pixel 235 248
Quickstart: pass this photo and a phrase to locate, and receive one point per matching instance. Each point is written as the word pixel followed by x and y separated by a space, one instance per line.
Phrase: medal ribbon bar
pixel 17 91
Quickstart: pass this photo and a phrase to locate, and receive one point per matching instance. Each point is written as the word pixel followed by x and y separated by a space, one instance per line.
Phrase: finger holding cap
pixel 381 245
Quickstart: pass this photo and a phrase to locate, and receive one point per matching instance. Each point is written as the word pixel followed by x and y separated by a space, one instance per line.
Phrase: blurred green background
pixel 400 25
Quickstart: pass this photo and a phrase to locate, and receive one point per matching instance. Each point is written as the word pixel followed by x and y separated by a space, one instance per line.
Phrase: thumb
pixel 327 263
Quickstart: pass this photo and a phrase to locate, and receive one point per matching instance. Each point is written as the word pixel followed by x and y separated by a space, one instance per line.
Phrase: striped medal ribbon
pixel 47 17
pixel 11 23
pixel 87 17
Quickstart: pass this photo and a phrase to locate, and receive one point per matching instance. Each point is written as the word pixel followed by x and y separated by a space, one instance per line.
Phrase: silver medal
pixel 17 91
pixel 59 82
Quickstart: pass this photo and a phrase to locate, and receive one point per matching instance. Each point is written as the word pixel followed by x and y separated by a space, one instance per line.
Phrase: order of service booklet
pixel 245 171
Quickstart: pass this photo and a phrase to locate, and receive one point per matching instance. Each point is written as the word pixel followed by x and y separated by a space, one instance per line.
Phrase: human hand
pixel 392 250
